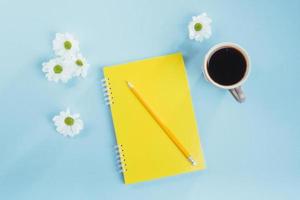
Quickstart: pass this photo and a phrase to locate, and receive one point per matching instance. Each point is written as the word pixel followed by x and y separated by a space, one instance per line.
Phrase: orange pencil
pixel 168 132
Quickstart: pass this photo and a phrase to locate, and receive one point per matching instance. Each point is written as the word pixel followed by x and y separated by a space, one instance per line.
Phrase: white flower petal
pixel 76 116
pixel 64 75
pixel 79 70
pixel 63 128
pixel 59 44
pixel 205 32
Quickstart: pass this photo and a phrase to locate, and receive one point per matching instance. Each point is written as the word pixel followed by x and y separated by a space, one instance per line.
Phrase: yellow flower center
pixel 69 121
pixel 198 27
pixel 57 69
pixel 68 45
pixel 79 63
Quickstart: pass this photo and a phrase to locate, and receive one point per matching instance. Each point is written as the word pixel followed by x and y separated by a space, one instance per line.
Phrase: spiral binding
pixel 120 159
pixel 108 97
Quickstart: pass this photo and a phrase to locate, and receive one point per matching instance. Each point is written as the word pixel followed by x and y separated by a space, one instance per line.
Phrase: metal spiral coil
pixel 121 164
pixel 108 97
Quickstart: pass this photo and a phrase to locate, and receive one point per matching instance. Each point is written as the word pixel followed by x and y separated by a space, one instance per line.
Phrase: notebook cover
pixel 147 151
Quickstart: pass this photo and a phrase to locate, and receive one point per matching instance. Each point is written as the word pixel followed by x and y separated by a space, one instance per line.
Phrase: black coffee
pixel 227 66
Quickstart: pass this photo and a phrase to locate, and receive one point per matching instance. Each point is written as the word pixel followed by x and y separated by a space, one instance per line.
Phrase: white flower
pixel 80 65
pixel 57 69
pixel 65 44
pixel 199 27
pixel 68 124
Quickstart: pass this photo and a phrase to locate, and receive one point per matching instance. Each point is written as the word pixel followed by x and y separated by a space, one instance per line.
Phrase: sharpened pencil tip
pixel 129 84
pixel 192 161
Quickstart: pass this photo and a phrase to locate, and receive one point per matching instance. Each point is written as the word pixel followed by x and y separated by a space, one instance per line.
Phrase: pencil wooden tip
pixel 193 162
pixel 129 84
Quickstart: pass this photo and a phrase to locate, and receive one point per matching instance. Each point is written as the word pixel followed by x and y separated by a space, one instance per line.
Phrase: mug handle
pixel 238 94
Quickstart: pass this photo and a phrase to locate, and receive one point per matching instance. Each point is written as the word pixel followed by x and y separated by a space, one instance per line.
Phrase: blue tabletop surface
pixel 252 150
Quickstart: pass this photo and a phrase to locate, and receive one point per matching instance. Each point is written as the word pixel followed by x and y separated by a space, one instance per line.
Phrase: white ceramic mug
pixel 235 89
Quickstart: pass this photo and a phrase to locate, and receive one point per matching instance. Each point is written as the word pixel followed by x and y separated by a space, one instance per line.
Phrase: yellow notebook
pixel 145 152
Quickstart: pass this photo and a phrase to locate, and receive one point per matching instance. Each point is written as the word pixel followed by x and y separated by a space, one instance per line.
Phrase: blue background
pixel 252 149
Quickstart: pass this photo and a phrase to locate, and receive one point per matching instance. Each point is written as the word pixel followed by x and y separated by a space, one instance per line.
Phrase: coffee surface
pixel 227 66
